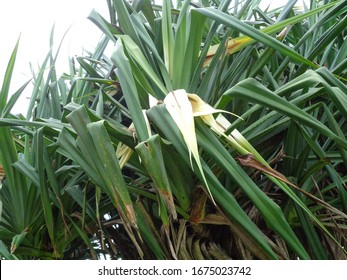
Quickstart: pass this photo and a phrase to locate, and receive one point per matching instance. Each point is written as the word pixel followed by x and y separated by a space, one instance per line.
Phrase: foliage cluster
pixel 215 130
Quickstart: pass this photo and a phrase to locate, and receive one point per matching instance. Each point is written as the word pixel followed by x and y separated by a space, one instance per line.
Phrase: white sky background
pixel 33 21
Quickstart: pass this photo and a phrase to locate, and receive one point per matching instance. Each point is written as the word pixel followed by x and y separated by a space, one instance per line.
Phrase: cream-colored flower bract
pixel 218 125
pixel 181 110
pixel 183 107
pixel 123 152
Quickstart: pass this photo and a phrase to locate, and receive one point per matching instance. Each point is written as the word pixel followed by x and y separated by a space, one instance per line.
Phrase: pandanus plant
pixel 212 131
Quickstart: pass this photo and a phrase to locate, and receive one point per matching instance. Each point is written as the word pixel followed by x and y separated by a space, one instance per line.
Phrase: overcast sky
pixel 33 21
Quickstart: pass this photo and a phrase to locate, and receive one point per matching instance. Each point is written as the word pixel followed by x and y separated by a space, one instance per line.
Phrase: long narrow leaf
pixel 7 79
pixel 254 91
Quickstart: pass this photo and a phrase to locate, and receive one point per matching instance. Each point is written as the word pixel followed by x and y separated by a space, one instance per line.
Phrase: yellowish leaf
pixel 123 153
pixel 180 108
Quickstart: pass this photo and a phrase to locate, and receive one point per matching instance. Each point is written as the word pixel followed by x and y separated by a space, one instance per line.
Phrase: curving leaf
pixel 179 107
pixel 18 239
pixel 152 158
